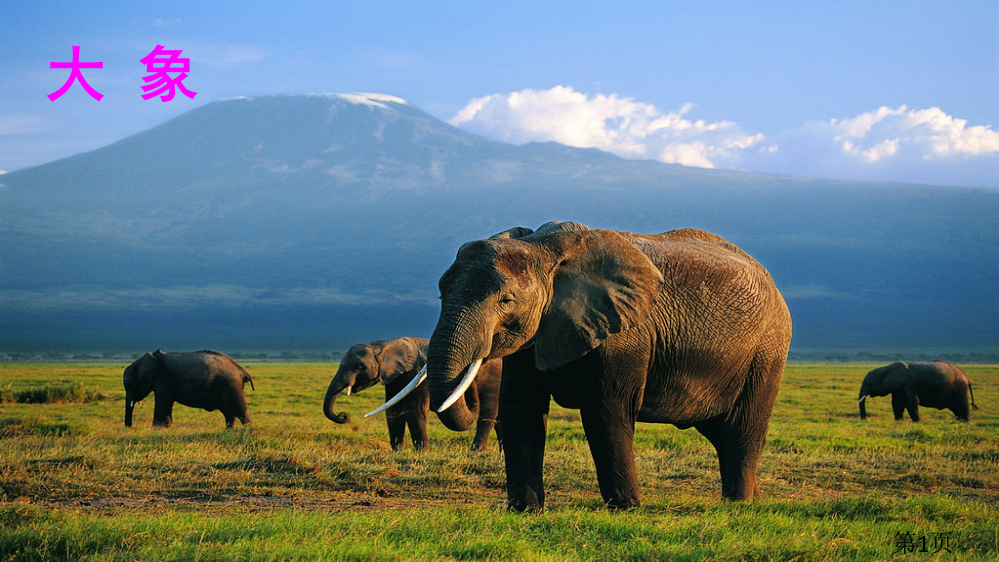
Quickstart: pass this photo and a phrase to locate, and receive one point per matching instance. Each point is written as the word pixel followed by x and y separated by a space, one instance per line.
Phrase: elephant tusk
pixel 348 390
pixel 862 398
pixel 462 386
pixel 420 377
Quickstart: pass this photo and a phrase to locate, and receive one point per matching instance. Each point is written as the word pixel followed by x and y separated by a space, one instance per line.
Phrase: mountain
pixel 313 222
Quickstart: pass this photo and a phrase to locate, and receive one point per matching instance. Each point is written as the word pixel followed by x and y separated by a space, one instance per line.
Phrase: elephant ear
pixel 140 375
pixel 553 227
pixel 603 285
pixel 400 356
pixel 895 375
pixel 557 227
pixel 515 232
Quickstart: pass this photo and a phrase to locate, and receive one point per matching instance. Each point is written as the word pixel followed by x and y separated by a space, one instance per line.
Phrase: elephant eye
pixel 507 302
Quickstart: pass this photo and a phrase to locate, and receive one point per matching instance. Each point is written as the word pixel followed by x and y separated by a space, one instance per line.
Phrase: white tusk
pixel 420 377
pixel 462 386
pixel 862 398
pixel 348 390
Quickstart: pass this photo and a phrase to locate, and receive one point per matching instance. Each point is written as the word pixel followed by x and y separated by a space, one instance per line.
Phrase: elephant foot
pixel 742 495
pixel 531 503
pixel 524 508
pixel 623 505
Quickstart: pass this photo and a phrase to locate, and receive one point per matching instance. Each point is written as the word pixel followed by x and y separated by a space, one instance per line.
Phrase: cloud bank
pixel 887 144
pixel 194 297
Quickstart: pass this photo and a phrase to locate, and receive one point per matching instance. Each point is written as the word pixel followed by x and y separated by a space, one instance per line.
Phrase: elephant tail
pixel 248 379
pixel 972 392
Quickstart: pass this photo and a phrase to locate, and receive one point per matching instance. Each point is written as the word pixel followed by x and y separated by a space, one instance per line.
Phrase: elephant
pixel 680 327
pixel 396 363
pixel 937 384
pixel 199 379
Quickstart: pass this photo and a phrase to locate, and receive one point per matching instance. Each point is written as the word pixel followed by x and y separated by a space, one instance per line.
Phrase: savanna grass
pixel 76 484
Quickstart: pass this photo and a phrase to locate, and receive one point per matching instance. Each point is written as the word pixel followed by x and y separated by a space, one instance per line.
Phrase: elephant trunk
pixel 129 406
pixel 870 387
pixel 328 404
pixel 453 348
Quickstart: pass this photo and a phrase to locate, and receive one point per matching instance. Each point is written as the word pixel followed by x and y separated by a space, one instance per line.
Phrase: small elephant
pixel 937 384
pixel 199 379
pixel 395 363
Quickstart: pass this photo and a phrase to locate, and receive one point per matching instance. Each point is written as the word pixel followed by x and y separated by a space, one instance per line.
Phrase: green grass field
pixel 76 484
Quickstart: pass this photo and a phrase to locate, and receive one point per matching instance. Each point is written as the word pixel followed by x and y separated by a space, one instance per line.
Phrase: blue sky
pixel 884 90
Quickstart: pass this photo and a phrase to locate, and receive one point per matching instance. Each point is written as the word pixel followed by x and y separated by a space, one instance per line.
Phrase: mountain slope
pixel 316 221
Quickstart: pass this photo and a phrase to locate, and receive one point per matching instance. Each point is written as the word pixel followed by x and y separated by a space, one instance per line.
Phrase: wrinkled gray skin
pixel 937 384
pixel 200 379
pixel 394 363
pixel 681 328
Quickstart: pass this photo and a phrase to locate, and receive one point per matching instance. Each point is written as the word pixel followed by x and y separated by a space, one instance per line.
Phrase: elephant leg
pixel 482 430
pixel 960 407
pixel 610 400
pixel 488 414
pixel 242 411
pixel 396 421
pixel 162 411
pixel 524 411
pixel 739 435
pixel 232 403
pixel 417 422
pixel 737 463
pixel 611 435
pixel 912 405
pixel 498 428
pixel 898 401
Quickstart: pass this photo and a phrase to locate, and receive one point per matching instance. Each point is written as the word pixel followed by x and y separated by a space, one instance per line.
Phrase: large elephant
pixel 396 363
pixel 200 379
pixel 937 384
pixel 681 327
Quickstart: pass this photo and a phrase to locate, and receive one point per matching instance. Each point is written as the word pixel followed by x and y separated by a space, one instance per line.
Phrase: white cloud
pixel 931 133
pixel 618 125
pixel 887 144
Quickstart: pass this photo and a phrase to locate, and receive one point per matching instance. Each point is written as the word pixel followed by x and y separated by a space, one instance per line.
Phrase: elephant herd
pixel 682 328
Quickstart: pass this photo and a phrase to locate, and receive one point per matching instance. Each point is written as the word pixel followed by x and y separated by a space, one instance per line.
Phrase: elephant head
pixel 367 364
pixel 563 289
pixel 881 382
pixel 138 380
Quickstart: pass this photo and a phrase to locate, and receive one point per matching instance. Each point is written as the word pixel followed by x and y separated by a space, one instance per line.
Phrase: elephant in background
pixel 937 384
pixel 681 327
pixel 200 379
pixel 396 363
